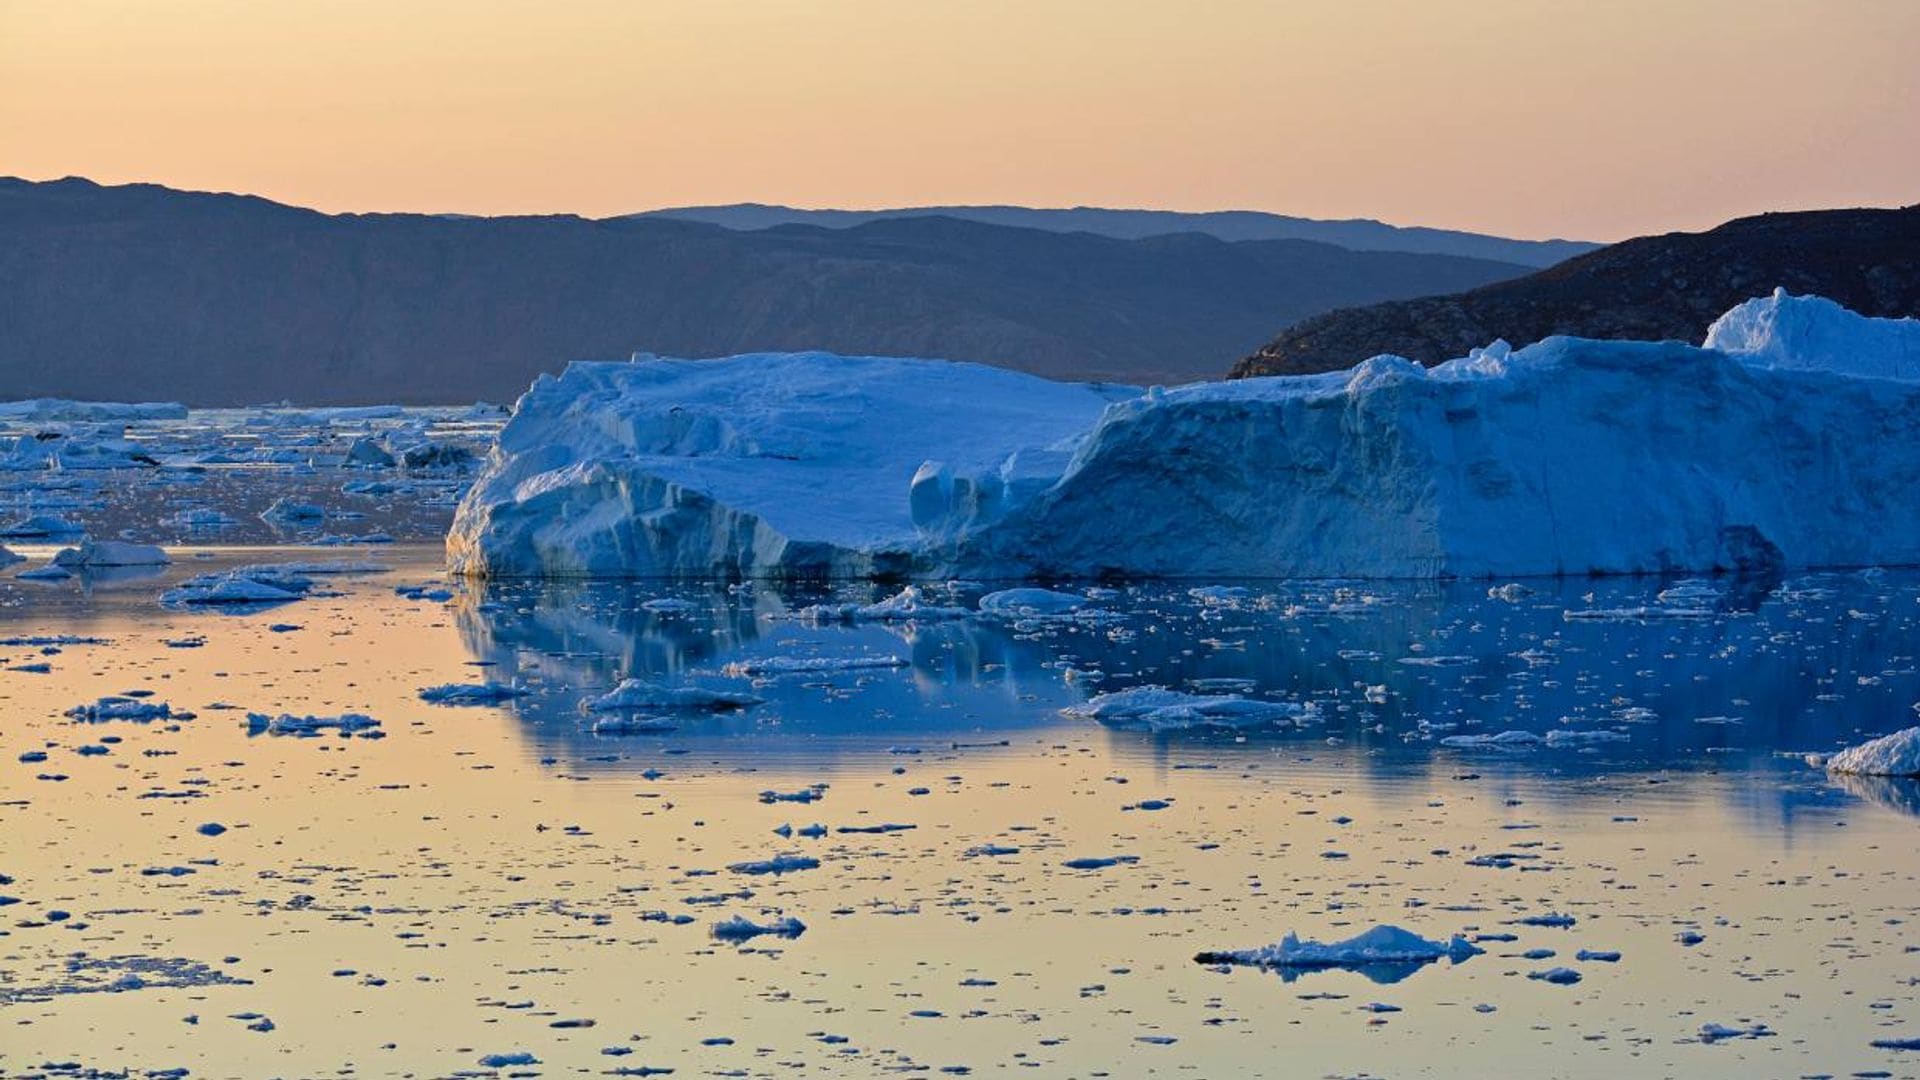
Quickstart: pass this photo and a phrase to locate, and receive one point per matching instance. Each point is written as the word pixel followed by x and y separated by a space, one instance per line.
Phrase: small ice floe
pixel 1558 976
pixel 1512 592
pixel 367 453
pixel 486 693
pixel 1552 918
pixel 1100 862
pixel 1602 956
pixel 1218 595
pixel 779 864
pixel 661 605
pixel 740 928
pixel 1384 954
pixel 49 572
pixel 287 510
pixel 132 709
pixel 1435 661
pixel 1030 602
pixel 1896 1044
pixel 39 527
pixel 1713 1033
pixel 804 795
pixel 288 724
pixel 227 590
pixel 502 1061
pixel 254 587
pixel 808 665
pixel 633 724
pixel 907 605
pixel 102 554
pixel 1897 754
pixel 1506 740
pixel 8 556
pixel 199 517
pixel 1156 708
pixel 640 695
pixel 1649 613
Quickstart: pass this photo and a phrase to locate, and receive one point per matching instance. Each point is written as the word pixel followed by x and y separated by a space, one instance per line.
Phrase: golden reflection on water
pixel 496 895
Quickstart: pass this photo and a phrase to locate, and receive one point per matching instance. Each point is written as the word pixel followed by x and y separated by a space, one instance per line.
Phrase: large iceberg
pixel 1791 444
pixel 763 465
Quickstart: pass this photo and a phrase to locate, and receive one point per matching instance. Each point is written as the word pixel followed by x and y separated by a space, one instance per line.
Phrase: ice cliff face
pixel 1789 445
pixel 763 465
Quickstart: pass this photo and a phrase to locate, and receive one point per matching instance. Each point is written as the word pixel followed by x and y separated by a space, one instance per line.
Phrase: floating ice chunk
pixel 199 517
pixel 1560 737
pixel 637 694
pixel 1559 976
pixel 502 1061
pixel 39 527
pixel 779 864
pixel 367 452
pixel 1218 595
pixel 1506 740
pixel 234 589
pixel 1382 945
pixel 1897 754
pixel 907 605
pixel 486 693
pixel 8 556
pixel 1156 708
pixel 618 724
pixel 1512 593
pixel 1099 862
pixel 100 554
pixel 808 665
pixel 1715 1032
pixel 138 710
pixel 1030 602
pixel 289 724
pixel 287 510
pixel 1645 613
pixel 1551 918
pixel 740 928
pixel 49 572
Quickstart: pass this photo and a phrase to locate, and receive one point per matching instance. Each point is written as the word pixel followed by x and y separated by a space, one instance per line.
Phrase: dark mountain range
pixel 141 291
pixel 1667 287
pixel 1357 234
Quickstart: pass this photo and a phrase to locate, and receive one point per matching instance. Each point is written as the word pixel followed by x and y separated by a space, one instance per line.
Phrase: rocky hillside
pixel 1653 287
pixel 141 292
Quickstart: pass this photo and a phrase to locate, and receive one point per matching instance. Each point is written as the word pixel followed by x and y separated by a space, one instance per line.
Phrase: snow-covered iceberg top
pixel 1570 456
pixel 1814 333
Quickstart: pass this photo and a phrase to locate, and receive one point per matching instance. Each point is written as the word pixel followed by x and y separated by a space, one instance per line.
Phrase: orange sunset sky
pixel 1525 117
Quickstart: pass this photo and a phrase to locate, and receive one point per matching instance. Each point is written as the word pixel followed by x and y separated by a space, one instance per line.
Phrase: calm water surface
pixel 501 879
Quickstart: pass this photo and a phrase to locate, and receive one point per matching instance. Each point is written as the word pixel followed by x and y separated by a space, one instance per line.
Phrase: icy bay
pixel 911 847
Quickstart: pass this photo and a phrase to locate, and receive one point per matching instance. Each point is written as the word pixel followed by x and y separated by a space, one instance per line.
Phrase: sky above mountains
pixel 1529 118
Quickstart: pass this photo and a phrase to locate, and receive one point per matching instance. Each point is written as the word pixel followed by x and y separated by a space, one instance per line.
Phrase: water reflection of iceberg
pixel 1897 793
pixel 1392 668
pixel 575 639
